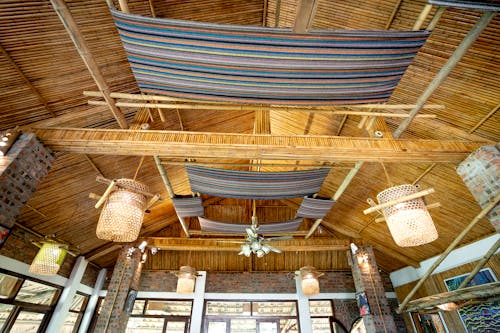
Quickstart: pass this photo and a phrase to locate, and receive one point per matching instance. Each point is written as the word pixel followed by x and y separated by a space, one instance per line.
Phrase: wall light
pixel 309 280
pixel 186 279
pixel 7 139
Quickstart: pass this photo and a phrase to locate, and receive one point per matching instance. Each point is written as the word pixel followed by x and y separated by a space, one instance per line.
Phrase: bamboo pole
pixel 421 18
pixel 341 125
pixel 347 180
pixel 103 180
pixel 84 51
pixel 446 69
pixel 27 81
pixel 435 19
pixel 93 165
pixel 480 264
pixel 492 112
pixel 399 200
pixel 306 10
pixel 450 248
pixel 164 177
pixel 124 6
pixel 426 171
pixel 106 194
pixel 272 165
pixel 429 206
pixel 277 13
pixel 264 13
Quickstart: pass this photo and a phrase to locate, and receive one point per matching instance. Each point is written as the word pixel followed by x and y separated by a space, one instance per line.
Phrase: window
pixel 76 310
pixel 160 316
pixel 322 320
pixel 250 317
pixel 25 303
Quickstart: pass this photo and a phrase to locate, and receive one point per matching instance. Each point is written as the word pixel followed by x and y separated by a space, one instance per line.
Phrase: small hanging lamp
pixel 49 258
pixel 122 215
pixel 409 221
pixel 186 279
pixel 309 280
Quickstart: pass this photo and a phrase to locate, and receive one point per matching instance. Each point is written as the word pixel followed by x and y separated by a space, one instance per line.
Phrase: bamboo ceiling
pixel 43 80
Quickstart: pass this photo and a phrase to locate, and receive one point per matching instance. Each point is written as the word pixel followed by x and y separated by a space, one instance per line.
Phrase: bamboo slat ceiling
pixel 42 84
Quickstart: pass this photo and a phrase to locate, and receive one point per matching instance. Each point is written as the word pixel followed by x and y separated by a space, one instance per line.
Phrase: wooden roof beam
pixel 233 245
pixel 306 10
pixel 253 146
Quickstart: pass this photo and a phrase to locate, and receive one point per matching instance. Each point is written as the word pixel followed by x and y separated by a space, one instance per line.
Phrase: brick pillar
pixel 21 170
pixel 481 174
pixel 113 318
pixel 368 280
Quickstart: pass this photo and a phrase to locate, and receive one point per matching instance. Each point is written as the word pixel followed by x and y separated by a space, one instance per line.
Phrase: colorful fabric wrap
pixel 262 65
pixel 255 185
pixel 314 208
pixel 186 207
pixel 233 228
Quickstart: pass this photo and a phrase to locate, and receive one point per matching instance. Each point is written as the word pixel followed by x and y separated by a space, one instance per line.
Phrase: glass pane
pixel 7 285
pixel 37 293
pixel 243 325
pixel 172 308
pixel 320 325
pixel 78 302
pixel 5 310
pixel 275 309
pixel 320 308
pixel 142 324
pixel 216 327
pixel 70 322
pixel 27 322
pixel 176 327
pixel 217 308
pixel 138 307
pixel 266 327
pixel 289 325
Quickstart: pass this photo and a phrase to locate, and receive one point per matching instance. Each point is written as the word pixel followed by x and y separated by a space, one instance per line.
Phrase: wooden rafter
pixel 306 10
pixel 83 49
pixel 251 146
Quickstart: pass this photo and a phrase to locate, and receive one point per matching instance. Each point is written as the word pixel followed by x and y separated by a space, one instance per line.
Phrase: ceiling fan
pixel 256 243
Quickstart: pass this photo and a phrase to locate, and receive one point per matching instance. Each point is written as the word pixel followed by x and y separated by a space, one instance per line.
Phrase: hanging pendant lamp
pixel 49 258
pixel 309 280
pixel 122 214
pixel 409 222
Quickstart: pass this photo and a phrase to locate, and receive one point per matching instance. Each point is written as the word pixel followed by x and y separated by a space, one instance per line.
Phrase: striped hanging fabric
pixel 265 65
pixel 187 207
pixel 255 185
pixel 232 228
pixel 314 208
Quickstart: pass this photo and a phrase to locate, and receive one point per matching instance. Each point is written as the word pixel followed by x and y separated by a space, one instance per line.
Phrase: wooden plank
pixel 253 146
pixel 232 245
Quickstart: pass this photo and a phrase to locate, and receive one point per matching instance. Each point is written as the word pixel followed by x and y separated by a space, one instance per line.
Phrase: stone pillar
pixel 368 280
pixel 480 172
pixel 113 318
pixel 21 170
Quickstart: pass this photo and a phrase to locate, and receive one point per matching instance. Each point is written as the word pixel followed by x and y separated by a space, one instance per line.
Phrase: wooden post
pixel 450 248
pixel 81 46
pixel 446 69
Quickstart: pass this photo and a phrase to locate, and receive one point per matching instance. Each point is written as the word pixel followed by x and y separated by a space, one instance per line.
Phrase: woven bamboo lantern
pixel 122 215
pixel 409 222
pixel 186 280
pixel 309 280
pixel 49 258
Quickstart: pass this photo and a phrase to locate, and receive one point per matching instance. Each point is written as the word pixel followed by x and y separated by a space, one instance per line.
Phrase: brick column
pixel 480 172
pixel 368 280
pixel 113 318
pixel 21 170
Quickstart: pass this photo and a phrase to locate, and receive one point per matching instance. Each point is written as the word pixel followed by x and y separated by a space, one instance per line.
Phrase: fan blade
pixel 251 233
pixel 272 248
pixel 272 239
